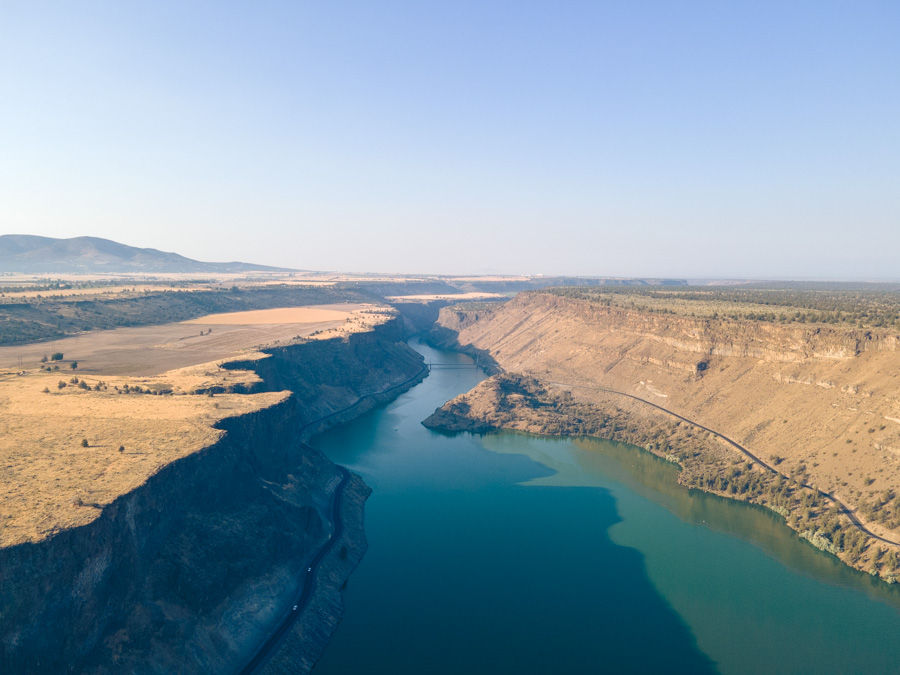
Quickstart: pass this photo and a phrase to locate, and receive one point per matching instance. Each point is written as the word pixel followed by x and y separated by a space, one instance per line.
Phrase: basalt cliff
pixel 190 571
pixel 818 405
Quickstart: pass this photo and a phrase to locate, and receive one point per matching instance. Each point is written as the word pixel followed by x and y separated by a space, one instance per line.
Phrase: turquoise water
pixel 507 553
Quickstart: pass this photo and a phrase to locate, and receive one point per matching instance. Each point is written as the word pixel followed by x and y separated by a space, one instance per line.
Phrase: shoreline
pixel 705 463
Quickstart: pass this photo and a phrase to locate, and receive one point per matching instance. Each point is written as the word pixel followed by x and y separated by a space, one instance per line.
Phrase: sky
pixel 634 138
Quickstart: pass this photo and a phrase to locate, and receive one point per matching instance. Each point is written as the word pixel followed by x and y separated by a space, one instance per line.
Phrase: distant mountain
pixel 91 255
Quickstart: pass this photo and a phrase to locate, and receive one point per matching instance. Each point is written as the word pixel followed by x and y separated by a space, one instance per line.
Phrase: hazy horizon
pixel 633 140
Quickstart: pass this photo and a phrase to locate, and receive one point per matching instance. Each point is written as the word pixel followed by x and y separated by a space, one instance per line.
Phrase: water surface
pixel 512 553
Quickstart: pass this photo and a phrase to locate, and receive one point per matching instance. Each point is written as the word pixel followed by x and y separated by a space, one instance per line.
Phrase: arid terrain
pixel 151 350
pixel 140 398
pixel 67 452
pixel 457 297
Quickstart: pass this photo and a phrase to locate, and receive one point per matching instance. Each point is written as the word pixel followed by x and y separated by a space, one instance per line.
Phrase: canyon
pixel 190 569
pixel 818 404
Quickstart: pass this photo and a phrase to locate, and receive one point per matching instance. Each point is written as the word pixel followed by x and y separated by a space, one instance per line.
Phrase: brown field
pixel 136 277
pixel 281 315
pixel 97 291
pixel 449 296
pixel 49 481
pixel 46 471
pixel 151 350
pixel 304 281
pixel 488 277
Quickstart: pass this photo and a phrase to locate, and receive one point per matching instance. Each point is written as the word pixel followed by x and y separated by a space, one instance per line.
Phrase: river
pixel 507 553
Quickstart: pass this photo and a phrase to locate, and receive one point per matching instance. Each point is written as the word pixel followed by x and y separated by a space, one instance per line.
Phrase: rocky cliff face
pixel 329 376
pixel 820 401
pixel 189 572
pixel 703 337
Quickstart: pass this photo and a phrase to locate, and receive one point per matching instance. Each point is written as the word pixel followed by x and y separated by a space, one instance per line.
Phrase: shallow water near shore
pixel 513 553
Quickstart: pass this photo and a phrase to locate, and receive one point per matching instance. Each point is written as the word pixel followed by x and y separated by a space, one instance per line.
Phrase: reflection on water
pixel 468 571
pixel 756 596
pixel 513 553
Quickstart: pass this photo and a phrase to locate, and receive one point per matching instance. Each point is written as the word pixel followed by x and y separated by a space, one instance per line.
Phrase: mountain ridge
pixel 33 253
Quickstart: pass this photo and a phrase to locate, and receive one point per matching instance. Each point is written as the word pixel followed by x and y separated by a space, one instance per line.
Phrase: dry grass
pixel 99 291
pixel 50 482
pixel 449 296
pixel 136 277
pixel 281 315
pixel 151 350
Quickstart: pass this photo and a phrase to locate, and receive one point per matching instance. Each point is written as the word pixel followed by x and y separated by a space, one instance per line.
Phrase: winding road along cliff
pixel 819 404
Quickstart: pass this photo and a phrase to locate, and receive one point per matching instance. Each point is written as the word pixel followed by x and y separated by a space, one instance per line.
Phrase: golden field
pixel 143 390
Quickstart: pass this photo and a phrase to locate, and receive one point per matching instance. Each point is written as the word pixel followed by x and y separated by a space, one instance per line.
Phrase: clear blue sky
pixel 670 138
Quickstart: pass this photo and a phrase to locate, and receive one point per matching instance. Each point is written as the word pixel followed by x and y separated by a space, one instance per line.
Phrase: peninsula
pixel 783 396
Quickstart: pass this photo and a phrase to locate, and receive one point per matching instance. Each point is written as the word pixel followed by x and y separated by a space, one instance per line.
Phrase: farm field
pixel 151 350
pixel 72 440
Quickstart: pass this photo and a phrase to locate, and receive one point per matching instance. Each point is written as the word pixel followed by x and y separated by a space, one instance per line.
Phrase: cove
pixel 511 553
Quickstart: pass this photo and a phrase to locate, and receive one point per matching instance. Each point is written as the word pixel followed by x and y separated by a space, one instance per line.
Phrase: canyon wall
pixel 822 402
pixel 189 572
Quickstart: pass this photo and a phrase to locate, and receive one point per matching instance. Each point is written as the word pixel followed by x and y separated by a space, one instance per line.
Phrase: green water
pixel 507 553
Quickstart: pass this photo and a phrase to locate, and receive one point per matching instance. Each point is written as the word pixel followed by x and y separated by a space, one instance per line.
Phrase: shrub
pixel 84 443
pixel 56 356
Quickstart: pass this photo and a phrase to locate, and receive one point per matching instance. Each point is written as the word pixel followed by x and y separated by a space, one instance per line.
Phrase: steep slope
pixel 820 403
pixel 191 570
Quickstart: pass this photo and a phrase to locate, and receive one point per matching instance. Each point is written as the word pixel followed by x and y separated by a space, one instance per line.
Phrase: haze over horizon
pixel 638 139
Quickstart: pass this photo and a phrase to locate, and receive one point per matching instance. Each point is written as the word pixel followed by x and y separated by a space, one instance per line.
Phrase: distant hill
pixel 28 253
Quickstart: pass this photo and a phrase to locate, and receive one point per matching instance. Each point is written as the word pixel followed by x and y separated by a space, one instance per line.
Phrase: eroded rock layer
pixel 821 403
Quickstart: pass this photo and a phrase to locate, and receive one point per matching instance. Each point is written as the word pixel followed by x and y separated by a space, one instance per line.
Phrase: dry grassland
pixel 151 350
pixel 100 291
pixel 449 296
pixel 49 481
pixel 283 315
pixel 32 278
pixel 302 281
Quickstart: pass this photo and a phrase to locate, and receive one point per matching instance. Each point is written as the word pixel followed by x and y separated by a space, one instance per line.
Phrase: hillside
pixel 25 253
pixel 821 402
